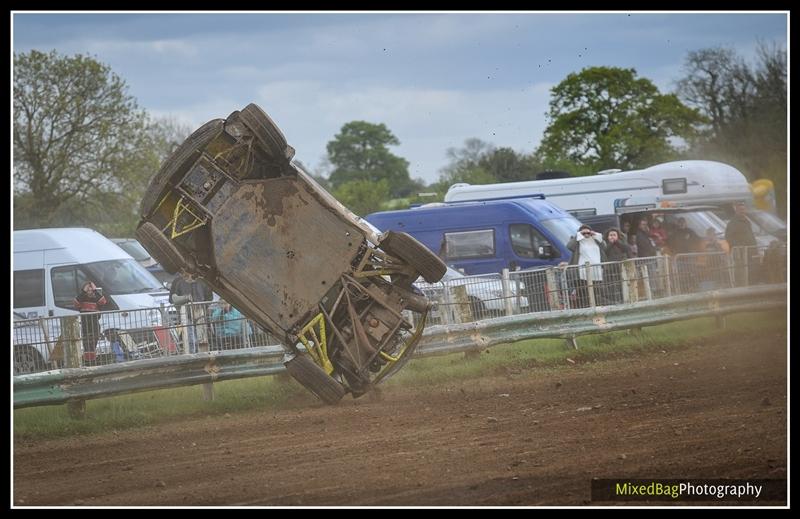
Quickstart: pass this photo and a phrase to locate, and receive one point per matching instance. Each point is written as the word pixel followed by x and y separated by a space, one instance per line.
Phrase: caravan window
pixel 673 186
pixel 526 240
pixel 470 244
pixel 28 288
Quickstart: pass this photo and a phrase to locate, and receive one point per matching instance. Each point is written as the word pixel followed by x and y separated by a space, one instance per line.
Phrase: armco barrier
pixel 65 385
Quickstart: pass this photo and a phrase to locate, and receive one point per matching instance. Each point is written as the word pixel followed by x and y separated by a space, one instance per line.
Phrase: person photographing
pixel 90 300
pixel 587 246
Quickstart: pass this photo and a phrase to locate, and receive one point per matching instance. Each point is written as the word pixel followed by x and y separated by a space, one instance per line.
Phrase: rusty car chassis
pixel 229 206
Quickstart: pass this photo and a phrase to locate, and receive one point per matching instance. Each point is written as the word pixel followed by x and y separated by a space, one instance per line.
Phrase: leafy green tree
pixel 359 152
pixel 464 164
pixel 83 150
pixel 607 117
pixel 506 165
pixel 746 107
pixel 363 196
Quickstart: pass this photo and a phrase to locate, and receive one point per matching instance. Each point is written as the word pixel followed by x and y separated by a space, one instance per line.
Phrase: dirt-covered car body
pixel 231 207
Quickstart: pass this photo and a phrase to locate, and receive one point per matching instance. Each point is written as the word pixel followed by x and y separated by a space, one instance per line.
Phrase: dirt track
pixel 524 438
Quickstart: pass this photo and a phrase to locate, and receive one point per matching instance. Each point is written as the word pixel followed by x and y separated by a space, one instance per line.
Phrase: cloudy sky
pixel 433 79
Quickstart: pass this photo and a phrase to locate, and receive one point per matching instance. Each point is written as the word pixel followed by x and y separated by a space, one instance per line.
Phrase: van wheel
pixel 163 250
pixel 27 360
pixel 183 155
pixel 407 248
pixel 266 131
pixel 314 378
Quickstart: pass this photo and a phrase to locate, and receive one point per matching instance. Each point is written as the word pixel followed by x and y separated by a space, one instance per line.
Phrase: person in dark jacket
pixel 89 301
pixel 644 244
pixel 683 239
pixel 739 232
pixel 616 250
pixel 186 289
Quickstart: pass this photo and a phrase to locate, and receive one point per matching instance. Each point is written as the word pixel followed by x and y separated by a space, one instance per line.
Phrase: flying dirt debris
pixel 231 207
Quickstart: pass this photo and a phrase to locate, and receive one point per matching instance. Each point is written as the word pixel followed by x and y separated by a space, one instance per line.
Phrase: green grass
pixel 147 408
pixel 553 352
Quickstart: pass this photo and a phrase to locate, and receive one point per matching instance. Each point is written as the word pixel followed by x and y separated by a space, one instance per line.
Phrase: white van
pixel 50 266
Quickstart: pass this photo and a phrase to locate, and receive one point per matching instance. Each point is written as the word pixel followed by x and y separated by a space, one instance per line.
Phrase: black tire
pixel 187 152
pixel 314 378
pixel 163 250
pixel 407 248
pixel 266 131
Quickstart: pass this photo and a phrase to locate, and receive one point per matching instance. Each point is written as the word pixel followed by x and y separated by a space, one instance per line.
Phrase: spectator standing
pixel 683 239
pixel 586 246
pixel 658 234
pixel 186 289
pixel 739 233
pixel 616 250
pixel 231 329
pixel 90 300
pixel 644 245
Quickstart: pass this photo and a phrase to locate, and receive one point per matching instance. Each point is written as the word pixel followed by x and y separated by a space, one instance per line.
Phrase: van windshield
pixel 124 276
pixel 135 249
pixel 562 228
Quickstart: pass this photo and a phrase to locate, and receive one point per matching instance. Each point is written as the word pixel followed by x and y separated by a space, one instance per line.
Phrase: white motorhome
pixel 50 266
pixel 685 182
pixel 672 184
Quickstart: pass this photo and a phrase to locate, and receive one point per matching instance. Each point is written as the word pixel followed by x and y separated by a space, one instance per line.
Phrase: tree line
pixel 84 150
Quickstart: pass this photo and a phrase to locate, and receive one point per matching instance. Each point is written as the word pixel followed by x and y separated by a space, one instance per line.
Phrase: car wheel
pixel 407 248
pixel 27 360
pixel 265 130
pixel 314 378
pixel 163 250
pixel 184 154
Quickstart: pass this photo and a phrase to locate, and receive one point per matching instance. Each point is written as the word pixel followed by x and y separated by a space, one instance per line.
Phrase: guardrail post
pixel 721 322
pixel 208 387
pixel 202 346
pixel 572 342
pixel 462 304
pixel 464 314
pixel 71 339
pixel 447 306
pixel 507 293
pixel 184 324
pixel 648 291
pixel 630 289
pixel 590 284
pixel 667 276
pixel 746 266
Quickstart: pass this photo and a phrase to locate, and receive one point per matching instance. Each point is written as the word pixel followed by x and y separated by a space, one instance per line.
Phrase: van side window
pixel 28 288
pixel 526 240
pixel 66 281
pixel 469 244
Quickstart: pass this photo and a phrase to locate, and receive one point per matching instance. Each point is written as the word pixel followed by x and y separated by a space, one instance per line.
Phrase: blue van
pixel 488 236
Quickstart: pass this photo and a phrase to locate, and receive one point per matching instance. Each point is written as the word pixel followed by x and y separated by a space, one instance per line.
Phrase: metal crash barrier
pixel 204 342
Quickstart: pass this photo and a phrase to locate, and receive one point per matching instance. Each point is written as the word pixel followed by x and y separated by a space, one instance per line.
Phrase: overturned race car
pixel 230 206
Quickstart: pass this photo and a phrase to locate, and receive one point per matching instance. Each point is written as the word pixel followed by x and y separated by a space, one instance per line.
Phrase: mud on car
pixel 230 206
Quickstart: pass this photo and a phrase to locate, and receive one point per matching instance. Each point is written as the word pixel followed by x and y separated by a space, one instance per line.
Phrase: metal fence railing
pixel 122 336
